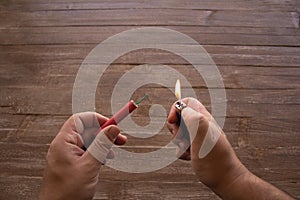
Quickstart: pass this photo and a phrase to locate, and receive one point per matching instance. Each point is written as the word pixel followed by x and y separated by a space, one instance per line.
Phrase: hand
pixel 71 172
pixel 213 159
pixel 211 154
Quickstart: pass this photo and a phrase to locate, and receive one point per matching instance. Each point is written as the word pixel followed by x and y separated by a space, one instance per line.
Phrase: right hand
pixel 214 162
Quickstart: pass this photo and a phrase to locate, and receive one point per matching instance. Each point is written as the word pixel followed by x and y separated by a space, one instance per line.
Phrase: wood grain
pixel 33 5
pixel 255 44
pixel 141 18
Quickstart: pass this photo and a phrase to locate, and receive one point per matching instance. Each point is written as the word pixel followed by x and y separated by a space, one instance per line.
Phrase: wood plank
pixel 23 153
pixel 106 191
pixel 19 187
pixel 21 103
pixel 234 77
pixel 111 189
pixel 261 159
pixel 62 76
pixel 141 18
pixel 203 35
pixel 229 55
pixel 245 137
pixel 276 171
pixel 43 128
pixel 242 132
pixel 34 5
pixel 154 190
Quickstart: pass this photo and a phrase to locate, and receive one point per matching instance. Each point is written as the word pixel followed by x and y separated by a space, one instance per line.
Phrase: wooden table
pixel 255 44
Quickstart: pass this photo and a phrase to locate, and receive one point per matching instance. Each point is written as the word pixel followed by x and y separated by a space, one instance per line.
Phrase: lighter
pixel 180 105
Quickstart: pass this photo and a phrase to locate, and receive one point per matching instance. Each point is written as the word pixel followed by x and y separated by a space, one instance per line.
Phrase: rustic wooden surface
pixel 256 45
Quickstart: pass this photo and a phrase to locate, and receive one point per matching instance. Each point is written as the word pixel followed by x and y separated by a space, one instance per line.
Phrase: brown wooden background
pixel 256 45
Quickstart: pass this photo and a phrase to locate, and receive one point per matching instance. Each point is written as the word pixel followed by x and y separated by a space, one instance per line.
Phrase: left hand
pixel 72 173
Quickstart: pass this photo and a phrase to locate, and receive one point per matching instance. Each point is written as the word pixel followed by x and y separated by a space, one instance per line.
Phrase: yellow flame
pixel 178 89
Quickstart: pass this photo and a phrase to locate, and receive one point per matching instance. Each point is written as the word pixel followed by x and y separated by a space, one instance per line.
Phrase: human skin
pixel 220 170
pixel 70 172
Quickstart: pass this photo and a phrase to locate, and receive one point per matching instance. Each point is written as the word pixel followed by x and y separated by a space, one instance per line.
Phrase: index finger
pixel 172 118
pixel 80 121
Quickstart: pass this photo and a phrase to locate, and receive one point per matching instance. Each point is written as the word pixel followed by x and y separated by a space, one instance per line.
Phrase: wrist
pixel 217 176
pixel 230 180
pixel 220 167
pixel 49 192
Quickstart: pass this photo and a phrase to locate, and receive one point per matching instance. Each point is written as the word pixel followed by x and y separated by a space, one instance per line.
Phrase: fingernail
pixel 181 145
pixel 173 132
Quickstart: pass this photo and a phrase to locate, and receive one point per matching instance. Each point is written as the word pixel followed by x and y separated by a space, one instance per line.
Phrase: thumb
pixel 209 131
pixel 191 119
pixel 102 144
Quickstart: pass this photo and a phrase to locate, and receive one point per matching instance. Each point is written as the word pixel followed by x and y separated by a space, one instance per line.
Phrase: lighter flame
pixel 178 89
